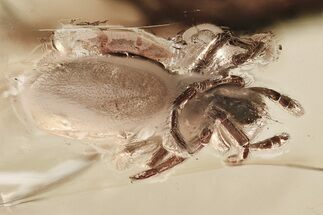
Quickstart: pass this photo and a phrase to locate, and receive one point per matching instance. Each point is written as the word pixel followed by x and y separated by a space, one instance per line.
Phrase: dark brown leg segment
pixel 270 143
pixel 166 165
pixel 286 102
pixel 158 156
pixel 191 92
pixel 253 49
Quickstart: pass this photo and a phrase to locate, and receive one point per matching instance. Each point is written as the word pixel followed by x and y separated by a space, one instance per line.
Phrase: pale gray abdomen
pixel 99 95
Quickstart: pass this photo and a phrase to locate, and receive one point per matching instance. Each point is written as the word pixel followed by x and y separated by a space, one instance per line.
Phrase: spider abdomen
pixel 98 94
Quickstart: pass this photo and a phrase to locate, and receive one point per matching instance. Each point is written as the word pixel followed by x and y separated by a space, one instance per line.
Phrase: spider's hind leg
pixel 157 157
pixel 163 166
pixel 159 164
pixel 138 152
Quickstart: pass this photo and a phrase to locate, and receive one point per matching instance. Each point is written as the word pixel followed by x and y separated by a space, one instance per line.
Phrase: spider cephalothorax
pixel 233 106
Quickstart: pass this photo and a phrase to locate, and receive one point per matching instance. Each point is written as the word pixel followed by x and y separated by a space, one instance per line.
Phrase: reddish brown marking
pixel 286 102
pixel 116 46
pixel 245 152
pixel 155 52
pixel 122 45
pixel 143 175
pixel 95 23
pixel 139 41
pixel 175 130
pixel 205 135
pixel 103 43
pixel 188 94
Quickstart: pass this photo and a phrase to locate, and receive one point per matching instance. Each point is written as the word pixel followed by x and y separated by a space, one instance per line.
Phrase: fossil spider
pixel 165 98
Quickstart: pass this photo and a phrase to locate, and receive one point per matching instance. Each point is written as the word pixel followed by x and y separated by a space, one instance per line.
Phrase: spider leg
pixel 252 47
pixel 217 43
pixel 241 58
pixel 167 164
pixel 144 145
pixel 289 104
pixel 137 151
pixel 188 94
pixel 241 138
pixel 157 156
pixel 173 160
pixel 270 143
pixel 224 139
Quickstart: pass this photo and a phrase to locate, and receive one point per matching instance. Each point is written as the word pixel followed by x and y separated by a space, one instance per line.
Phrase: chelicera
pixel 165 99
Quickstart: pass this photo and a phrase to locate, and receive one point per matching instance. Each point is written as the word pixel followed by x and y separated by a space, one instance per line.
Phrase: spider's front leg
pixel 242 139
pixel 289 104
pixel 270 143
